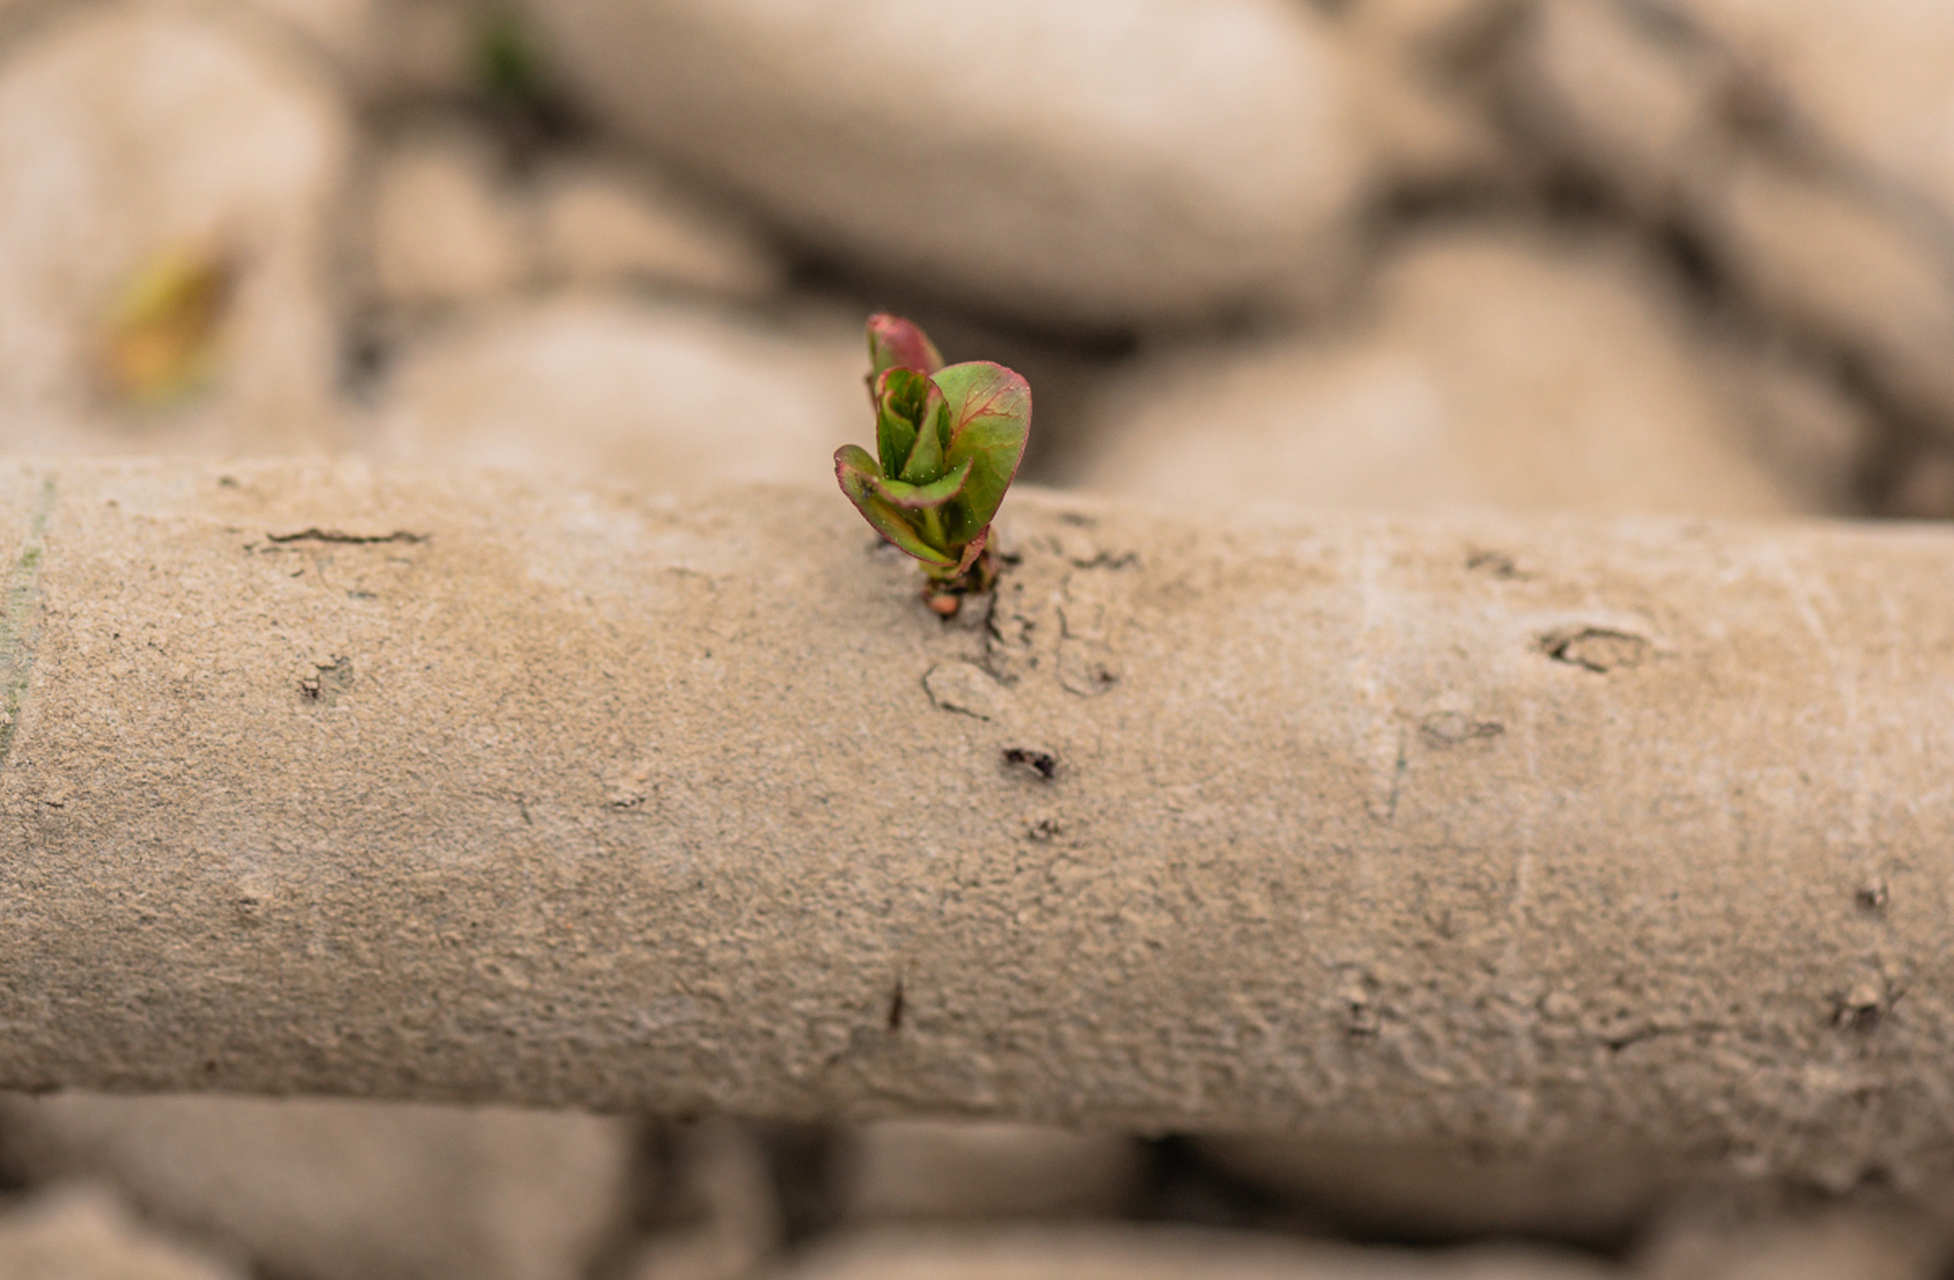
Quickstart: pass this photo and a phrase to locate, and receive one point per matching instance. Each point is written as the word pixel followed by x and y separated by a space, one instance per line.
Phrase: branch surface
pixel 1512 832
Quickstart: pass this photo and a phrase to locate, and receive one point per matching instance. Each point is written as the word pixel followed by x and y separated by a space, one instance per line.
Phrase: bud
pixel 894 341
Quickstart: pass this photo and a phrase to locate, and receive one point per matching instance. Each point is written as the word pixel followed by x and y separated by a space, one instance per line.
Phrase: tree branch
pixel 1515 831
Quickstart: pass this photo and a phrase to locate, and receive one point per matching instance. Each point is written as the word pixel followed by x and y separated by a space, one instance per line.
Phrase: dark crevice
pixel 316 534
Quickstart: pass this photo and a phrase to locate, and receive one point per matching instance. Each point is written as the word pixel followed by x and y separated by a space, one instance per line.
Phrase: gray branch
pixel 1524 832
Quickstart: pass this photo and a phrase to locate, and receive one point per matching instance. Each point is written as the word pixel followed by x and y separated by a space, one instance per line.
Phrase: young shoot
pixel 948 442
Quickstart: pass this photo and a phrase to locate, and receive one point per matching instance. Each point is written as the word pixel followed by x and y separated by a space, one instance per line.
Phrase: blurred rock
pixel 656 395
pixel 1379 1188
pixel 1416 102
pixel 1816 437
pixel 723 1185
pixel 337 1190
pixel 385 50
pixel 1923 489
pixel 1801 141
pixel 131 140
pixel 1595 82
pixel 1426 26
pixel 1836 1243
pixel 1874 79
pixel 84 1233
pixel 1102 164
pixel 1424 137
pixel 1119 1252
pixel 447 229
pixel 601 223
pixel 1496 368
pixel 1830 261
pixel 973 1169
pixel 341 29
pixel 421 48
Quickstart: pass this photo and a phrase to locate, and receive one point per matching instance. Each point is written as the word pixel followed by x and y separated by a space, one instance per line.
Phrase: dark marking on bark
pixel 1450 728
pixel 1597 649
pixel 316 534
pixel 1496 564
pixel 1041 763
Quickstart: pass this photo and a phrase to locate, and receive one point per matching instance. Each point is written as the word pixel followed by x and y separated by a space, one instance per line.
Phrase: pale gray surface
pixel 985 1169
pixel 1769 129
pixel 589 798
pixel 330 1189
pixel 1125 1252
pixel 1506 366
pixel 1086 163
pixel 85 1233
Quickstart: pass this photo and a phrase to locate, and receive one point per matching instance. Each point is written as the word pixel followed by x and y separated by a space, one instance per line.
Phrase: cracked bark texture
pixel 1536 836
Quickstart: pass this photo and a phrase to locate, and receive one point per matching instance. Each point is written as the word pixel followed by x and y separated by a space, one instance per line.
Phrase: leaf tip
pixel 893 341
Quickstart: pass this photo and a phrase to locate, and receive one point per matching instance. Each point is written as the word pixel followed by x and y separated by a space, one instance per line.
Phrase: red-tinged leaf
pixel 856 472
pixel 917 497
pixel 972 549
pixel 990 417
pixel 894 341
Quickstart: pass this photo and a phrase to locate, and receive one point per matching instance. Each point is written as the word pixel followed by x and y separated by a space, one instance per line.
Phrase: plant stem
pixel 933 529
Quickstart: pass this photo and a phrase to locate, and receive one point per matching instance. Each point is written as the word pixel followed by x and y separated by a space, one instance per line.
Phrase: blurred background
pixel 1692 256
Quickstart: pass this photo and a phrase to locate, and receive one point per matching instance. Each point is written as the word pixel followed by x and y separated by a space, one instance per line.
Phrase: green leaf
pixel 912 426
pixel 917 497
pixel 894 341
pixel 900 397
pixel 926 460
pixel 860 480
pixel 989 418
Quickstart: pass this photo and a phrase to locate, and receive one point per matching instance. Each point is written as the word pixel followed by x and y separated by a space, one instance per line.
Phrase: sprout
pixel 948 442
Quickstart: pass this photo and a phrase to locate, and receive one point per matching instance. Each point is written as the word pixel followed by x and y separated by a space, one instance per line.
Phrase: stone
pixel 343 1190
pixel 985 1169
pixel 656 395
pixel 1872 79
pixel 446 229
pixel 385 52
pixel 1797 142
pixel 340 29
pixel 724 1188
pixel 1126 1252
pixel 1424 28
pixel 1100 164
pixel 141 147
pixel 1415 105
pixel 1924 487
pixel 600 223
pixel 423 48
pixel 1592 81
pixel 1381 1188
pixel 1496 367
pixel 83 1232
pixel 1826 259
pixel 1424 137
pixel 1820 439
pixel 1864 1242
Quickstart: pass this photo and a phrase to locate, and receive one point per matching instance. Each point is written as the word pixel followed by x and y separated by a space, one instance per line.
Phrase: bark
pixel 1537 834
